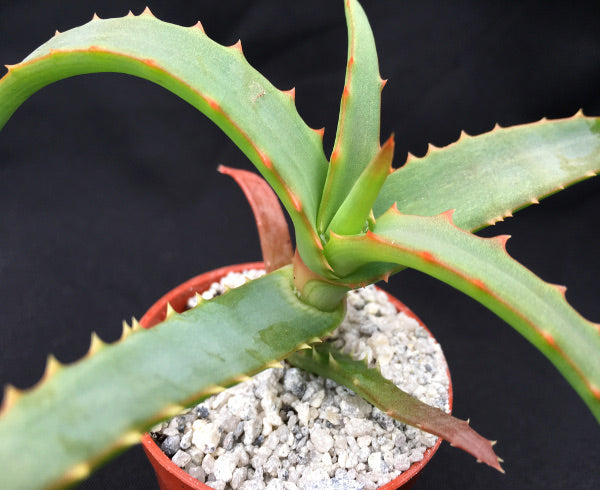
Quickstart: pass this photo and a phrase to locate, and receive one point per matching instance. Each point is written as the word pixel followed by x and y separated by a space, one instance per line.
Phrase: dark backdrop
pixel 109 196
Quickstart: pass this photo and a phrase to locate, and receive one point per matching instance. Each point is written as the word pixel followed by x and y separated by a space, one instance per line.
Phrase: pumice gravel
pixel 286 429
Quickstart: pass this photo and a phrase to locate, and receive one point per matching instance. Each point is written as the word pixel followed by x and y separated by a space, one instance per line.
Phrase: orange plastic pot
pixel 168 474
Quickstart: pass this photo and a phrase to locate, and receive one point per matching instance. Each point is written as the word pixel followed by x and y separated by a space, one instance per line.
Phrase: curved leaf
pixel 273 231
pixel 357 136
pixel 126 387
pixel 217 80
pixel 482 269
pixel 485 178
pixel 325 361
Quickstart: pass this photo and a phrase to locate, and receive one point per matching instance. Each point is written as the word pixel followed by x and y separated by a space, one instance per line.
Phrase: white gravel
pixel 286 429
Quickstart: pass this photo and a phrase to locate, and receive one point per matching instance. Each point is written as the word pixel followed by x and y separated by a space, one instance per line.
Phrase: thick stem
pixel 315 289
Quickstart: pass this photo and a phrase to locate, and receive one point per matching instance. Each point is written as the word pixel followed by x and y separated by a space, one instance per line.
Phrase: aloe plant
pixel 356 221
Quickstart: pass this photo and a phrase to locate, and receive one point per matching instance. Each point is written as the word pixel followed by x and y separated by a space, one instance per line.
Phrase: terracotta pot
pixel 169 475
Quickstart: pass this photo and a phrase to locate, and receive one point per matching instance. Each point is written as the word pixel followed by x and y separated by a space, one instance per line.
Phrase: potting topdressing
pixel 288 429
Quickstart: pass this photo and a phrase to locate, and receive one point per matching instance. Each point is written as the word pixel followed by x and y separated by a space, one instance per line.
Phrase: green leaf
pixel 485 178
pixel 357 136
pixel 352 216
pixel 217 80
pixel 86 412
pixel 482 269
pixel 326 361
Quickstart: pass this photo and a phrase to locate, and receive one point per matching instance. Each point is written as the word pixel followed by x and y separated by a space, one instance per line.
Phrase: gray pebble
pixel 171 445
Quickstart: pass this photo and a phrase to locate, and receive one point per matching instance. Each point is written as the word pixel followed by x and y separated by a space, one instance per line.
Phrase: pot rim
pixel 177 298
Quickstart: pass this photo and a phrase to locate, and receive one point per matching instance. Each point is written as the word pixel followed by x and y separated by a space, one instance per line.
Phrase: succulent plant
pixel 356 221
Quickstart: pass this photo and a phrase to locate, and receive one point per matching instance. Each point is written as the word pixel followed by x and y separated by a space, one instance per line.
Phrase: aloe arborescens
pixel 356 221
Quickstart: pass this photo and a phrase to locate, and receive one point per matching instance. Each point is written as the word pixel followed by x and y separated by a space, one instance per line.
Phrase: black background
pixel 109 196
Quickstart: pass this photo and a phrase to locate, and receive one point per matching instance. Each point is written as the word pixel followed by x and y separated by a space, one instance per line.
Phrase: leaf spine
pixel 130 438
pixel 304 346
pixel 170 411
pixel 332 360
pixel 237 46
pixel 383 83
pixel 130 14
pixel 135 325
pixel 549 339
pixel 291 93
pixel 241 378
pixel 10 397
pixel 579 113
pixel 77 473
pixel 560 288
pixel 52 367
pixel 431 148
pixel 170 311
pixel 56 33
pixel 95 17
pixel 320 132
pixel 147 12
pixel 212 390
pixel 500 240
pixel 96 344
pixel 198 25
pixel 126 331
